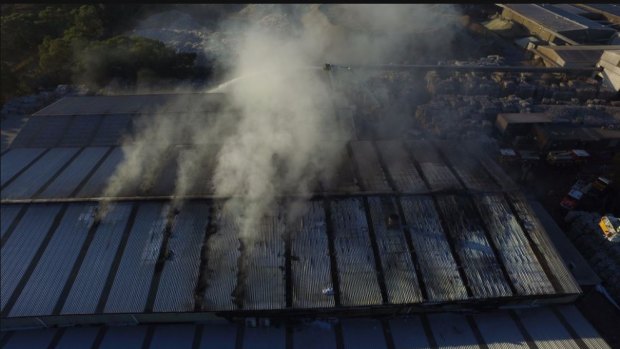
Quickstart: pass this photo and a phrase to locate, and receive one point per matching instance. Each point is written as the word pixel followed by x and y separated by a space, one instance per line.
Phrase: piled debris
pixel 602 254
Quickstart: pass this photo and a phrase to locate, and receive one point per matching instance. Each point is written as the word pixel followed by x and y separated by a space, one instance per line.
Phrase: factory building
pixel 554 24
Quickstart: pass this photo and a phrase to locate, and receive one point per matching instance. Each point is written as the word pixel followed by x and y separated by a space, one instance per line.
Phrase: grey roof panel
pixel 482 269
pixel 369 167
pixel 31 339
pixel 363 334
pixel 438 267
pixel 8 213
pixel 98 181
pixel 218 337
pixel 126 337
pixel 78 338
pixel 222 257
pixel 30 181
pixel 92 275
pixel 264 265
pixel 314 335
pixel 15 160
pixel 546 17
pixel 408 333
pixel 452 331
pixel 111 130
pixel 130 287
pixel 499 331
pixel 437 174
pixel 467 168
pixel 514 250
pixel 20 248
pixel 173 336
pixel 46 282
pixel 180 274
pixel 546 329
pixel 81 131
pixel 400 167
pixel 50 132
pixel 582 327
pixel 354 255
pixel 398 270
pixel 264 338
pixel 68 180
pixel 310 267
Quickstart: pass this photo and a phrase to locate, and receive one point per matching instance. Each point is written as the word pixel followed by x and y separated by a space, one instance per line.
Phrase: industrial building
pixel 404 227
pixel 555 24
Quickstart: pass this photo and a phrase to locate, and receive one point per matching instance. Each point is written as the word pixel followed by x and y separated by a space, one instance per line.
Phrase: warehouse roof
pixel 554 18
pixel 540 328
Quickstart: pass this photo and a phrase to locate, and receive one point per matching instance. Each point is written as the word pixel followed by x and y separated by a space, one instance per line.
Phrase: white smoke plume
pixel 282 133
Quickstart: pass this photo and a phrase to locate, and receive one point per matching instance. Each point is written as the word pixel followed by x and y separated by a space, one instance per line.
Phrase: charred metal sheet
pixel 310 263
pixel 343 180
pixel 314 335
pixel 467 168
pixel 16 160
pixel 408 333
pixel 68 180
pixel 452 331
pixel 369 167
pixel 223 253
pixel 93 273
pixel 46 282
pixel 436 172
pixel 98 181
pixel 130 288
pixel 81 131
pixel 400 167
pixel 50 132
pixel 482 269
pixel 356 264
pixel 363 333
pixel 111 130
pixel 438 267
pixel 398 270
pixel 264 263
pixel 533 227
pixel 30 181
pixel 20 248
pixel 180 273
pixel 523 268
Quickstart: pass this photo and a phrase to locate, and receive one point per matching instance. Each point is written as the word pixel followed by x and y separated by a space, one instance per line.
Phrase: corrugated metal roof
pixel 7 215
pixel 20 248
pixel 356 264
pixel 438 267
pixel 111 130
pixel 45 284
pixel 314 335
pixel 78 338
pixel 30 181
pixel 31 339
pixel 582 327
pixel 467 168
pixel 15 160
pixel 480 265
pixel 50 131
pixel 545 329
pixel 173 336
pixel 310 264
pixel 218 336
pixel 97 182
pixel 68 180
pixel 398 270
pixel 264 338
pixel 130 288
pixel 180 273
pixel 129 337
pixel 452 331
pixel 401 169
pixel 93 273
pixel 363 334
pixel 408 333
pixel 527 275
pixel 437 174
pixel 552 18
pixel 370 170
pixel 499 331
pixel 81 131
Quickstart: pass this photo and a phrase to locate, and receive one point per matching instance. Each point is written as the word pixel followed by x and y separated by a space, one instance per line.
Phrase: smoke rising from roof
pixel 281 133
